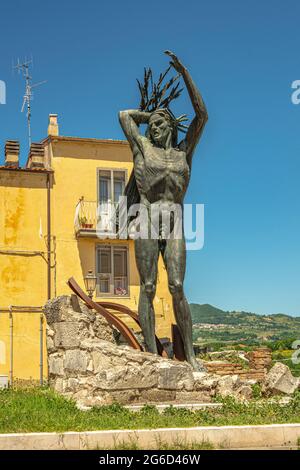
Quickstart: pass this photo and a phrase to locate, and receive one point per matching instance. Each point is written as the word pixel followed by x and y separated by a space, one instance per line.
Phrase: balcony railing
pixel 92 217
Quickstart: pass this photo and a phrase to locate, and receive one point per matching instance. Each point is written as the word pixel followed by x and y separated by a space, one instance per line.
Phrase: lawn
pixel 42 410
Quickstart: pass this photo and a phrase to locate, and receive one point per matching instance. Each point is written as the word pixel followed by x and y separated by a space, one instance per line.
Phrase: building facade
pixel 55 223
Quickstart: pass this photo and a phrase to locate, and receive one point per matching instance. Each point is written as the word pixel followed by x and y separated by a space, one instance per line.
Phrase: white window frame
pixel 107 213
pixel 111 171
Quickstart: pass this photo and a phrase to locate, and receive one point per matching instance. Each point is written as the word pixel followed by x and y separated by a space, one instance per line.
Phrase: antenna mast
pixel 24 68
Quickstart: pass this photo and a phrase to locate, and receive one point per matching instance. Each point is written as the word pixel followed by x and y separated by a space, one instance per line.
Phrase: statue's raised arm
pixel 130 121
pixel 197 125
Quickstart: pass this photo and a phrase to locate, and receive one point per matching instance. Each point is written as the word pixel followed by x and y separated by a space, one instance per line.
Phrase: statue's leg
pixel 174 255
pixel 146 255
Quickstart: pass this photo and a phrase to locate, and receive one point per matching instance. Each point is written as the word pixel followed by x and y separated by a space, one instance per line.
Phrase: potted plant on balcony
pixel 83 222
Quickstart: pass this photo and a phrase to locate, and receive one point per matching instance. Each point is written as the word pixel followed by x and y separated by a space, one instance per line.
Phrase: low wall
pixel 259 362
pixel 86 362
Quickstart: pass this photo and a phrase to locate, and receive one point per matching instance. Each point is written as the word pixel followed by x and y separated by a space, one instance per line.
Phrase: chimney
pixel 12 150
pixel 36 157
pixel 53 125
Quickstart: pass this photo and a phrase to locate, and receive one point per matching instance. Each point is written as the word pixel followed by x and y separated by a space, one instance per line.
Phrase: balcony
pixel 93 219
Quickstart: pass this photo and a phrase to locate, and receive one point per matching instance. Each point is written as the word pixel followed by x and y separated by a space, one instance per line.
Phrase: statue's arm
pixel 197 125
pixel 130 121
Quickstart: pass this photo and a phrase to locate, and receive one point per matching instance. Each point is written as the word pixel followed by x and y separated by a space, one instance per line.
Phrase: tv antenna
pixel 28 97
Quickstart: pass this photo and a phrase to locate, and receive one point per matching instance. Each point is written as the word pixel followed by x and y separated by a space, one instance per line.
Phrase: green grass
pixel 256 390
pixel 162 445
pixel 42 410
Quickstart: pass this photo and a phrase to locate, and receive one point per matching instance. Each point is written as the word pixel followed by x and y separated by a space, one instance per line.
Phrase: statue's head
pixel 162 128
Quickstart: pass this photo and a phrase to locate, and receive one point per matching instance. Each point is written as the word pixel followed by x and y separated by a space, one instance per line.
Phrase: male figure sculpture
pixel 162 171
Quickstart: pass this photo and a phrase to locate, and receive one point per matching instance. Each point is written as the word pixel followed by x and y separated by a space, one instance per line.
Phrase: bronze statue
pixel 161 175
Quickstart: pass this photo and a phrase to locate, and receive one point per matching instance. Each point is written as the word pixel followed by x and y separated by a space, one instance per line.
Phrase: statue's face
pixel 160 129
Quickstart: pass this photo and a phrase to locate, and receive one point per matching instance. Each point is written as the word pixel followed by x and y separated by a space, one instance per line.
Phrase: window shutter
pixel 120 262
pixel 120 271
pixel 104 261
pixel 104 186
pixel 119 184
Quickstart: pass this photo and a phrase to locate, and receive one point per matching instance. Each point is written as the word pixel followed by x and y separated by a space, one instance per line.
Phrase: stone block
pixel 244 392
pixel 76 360
pixel 155 395
pixel 123 396
pixel 100 361
pixel 200 396
pixel 122 378
pixel 57 384
pixel 59 309
pixel 280 380
pixel 50 344
pixel 175 376
pixel 49 332
pixel 66 335
pixel 204 381
pixel 80 394
pixel 228 384
pixel 72 384
pixel 56 365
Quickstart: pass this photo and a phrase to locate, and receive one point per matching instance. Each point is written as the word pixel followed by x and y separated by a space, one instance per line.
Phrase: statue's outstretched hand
pixel 175 62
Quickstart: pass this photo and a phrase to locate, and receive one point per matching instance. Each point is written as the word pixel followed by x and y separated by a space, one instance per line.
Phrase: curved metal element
pixel 112 320
pixel 134 316
pixel 120 308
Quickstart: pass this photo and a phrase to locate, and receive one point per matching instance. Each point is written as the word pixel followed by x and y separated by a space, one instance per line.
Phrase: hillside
pixel 211 324
pixel 208 314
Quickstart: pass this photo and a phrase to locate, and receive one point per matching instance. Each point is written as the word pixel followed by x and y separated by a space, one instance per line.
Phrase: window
pixel 112 276
pixel 104 187
pixel 111 188
pixel 111 185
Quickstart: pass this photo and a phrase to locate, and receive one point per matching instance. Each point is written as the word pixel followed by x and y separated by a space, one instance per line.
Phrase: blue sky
pixel 244 57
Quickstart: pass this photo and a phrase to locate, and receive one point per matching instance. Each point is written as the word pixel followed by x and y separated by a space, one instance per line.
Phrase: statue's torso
pixel 161 174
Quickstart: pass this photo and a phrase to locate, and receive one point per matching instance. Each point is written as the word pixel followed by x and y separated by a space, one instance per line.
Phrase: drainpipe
pixel 48 238
pixel 41 349
pixel 11 338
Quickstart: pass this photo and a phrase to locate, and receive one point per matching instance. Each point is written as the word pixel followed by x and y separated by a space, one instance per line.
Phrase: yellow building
pixel 49 213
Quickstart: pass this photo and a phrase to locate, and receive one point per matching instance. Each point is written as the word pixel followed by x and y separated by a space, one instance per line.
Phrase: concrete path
pixel 273 436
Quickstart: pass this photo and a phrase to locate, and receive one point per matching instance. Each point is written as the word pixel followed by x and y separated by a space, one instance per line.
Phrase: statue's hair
pixel 155 99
